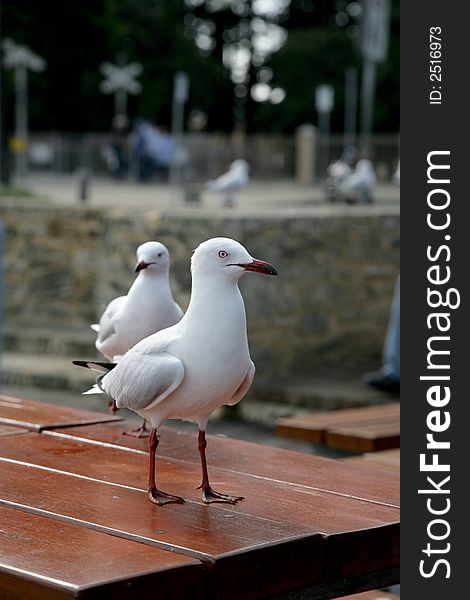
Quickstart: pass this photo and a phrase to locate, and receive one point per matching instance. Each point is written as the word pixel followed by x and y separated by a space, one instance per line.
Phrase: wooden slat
pixel 264 462
pixel 41 557
pixel 313 428
pixel 126 512
pixel 279 501
pixel 10 430
pixel 193 530
pixel 37 416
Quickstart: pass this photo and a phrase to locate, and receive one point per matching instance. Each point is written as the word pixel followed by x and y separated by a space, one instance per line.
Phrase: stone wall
pixel 328 307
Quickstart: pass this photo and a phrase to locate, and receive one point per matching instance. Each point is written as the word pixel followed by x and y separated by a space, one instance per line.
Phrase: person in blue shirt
pixel 387 378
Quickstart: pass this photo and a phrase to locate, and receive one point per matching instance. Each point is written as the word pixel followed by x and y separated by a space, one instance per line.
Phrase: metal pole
pixel 324 126
pixel 180 95
pixel 350 108
pixel 120 102
pixel 368 96
pixel 21 120
pixel 2 248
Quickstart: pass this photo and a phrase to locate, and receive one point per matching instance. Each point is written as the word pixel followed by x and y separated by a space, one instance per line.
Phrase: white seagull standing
pixel 201 363
pixel 233 180
pixel 148 307
pixel 359 183
pixel 396 175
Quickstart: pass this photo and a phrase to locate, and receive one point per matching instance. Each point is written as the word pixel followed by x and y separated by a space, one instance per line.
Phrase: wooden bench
pixel 388 460
pixel 76 521
pixel 364 429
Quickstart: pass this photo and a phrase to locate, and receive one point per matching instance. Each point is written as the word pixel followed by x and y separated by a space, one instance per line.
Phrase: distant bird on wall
pixel 232 181
pixel 358 186
pixel 396 175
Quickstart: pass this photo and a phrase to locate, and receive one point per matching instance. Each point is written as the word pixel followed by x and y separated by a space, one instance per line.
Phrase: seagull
pixel 148 307
pixel 337 172
pixel 189 370
pixel 359 184
pixel 233 180
pixel 396 175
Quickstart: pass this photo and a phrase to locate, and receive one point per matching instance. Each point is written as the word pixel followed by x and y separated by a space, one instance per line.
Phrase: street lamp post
pixel 324 102
pixel 375 35
pixel 350 110
pixel 180 97
pixel 21 58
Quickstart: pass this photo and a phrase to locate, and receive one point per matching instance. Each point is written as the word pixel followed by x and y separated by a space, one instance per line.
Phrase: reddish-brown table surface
pixel 75 520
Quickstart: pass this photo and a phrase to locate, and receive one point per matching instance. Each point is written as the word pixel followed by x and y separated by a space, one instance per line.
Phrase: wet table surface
pixel 75 520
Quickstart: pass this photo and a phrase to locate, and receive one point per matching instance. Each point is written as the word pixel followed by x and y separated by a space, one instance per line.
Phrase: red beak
pixel 260 266
pixel 140 265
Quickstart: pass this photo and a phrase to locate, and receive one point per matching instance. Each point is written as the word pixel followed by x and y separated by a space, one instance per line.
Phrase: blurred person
pixel 140 142
pixel 387 378
pixel 153 149
pixel 163 152
pixel 118 140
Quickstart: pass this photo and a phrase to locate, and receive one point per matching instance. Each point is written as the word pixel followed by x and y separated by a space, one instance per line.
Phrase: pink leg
pixel 154 495
pixel 208 494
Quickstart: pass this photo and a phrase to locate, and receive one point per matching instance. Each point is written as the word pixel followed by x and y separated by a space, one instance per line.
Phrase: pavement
pixel 279 196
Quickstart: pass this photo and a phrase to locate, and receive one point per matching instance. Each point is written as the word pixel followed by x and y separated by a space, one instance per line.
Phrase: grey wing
pixel 107 326
pixel 221 183
pixel 143 379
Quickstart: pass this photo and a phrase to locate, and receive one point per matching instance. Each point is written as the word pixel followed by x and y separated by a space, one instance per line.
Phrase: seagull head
pixel 240 166
pixel 364 166
pixel 228 259
pixel 152 256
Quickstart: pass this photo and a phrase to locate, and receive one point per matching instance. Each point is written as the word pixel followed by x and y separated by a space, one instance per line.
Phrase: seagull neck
pixel 215 299
pixel 150 280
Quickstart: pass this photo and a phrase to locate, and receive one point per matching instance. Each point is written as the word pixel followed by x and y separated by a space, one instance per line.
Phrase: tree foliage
pixel 75 37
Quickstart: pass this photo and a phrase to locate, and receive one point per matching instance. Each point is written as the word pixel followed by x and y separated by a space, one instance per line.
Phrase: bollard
pixel 305 153
pixel 83 177
pixel 192 194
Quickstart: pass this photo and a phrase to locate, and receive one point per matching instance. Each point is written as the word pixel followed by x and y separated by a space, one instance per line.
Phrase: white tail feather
pixel 95 327
pixel 94 390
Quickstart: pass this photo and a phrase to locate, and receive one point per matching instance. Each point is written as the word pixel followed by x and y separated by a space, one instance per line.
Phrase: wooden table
pixel 75 519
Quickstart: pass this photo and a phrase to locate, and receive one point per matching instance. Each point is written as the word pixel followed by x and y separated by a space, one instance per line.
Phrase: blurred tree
pixel 170 35
pixel 75 37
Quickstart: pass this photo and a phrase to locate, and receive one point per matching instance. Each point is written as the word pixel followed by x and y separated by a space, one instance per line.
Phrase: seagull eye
pixel 159 254
pixel 223 254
